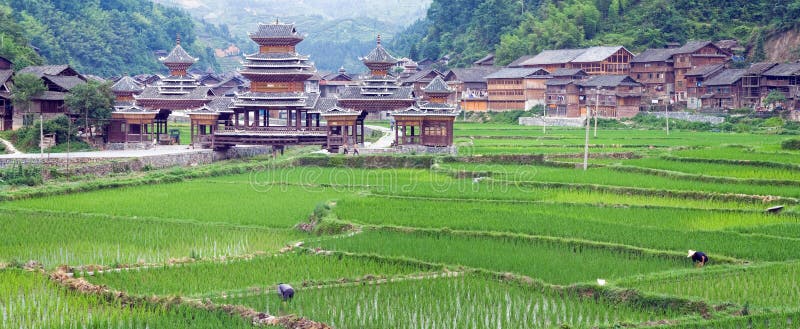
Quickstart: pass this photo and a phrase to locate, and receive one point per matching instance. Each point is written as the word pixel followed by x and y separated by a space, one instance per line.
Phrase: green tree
pixel 774 98
pixel 91 103
pixel 26 87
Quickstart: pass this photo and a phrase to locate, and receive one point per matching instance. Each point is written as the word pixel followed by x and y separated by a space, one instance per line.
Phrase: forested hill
pixel 469 29
pixel 101 37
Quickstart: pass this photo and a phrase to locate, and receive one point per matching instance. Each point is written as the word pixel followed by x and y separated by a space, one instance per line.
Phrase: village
pixel 279 98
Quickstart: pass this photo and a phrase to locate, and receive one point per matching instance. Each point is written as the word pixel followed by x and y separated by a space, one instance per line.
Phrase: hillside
pixel 106 38
pixel 469 29
pixel 337 31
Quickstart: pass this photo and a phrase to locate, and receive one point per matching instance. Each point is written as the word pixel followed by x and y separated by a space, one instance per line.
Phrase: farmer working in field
pixel 285 291
pixel 698 257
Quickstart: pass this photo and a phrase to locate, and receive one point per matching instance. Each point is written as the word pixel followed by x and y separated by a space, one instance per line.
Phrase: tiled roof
pixel 760 68
pixel 277 56
pixel 486 59
pixel 40 71
pixel 568 72
pixel 783 70
pixel 379 55
pixel 354 92
pixel 51 96
pixel 324 104
pixel 515 73
pixel 691 47
pixel 596 54
pixel 608 81
pixel 178 56
pixel 726 77
pixel 133 109
pixel 275 30
pixel 66 83
pixel 654 55
pixel 705 70
pixel 220 104
pixel 472 74
pixel 518 62
pixel 154 92
pixel 559 82
pixel 437 85
pixel 420 75
pixel 127 85
pixel 554 57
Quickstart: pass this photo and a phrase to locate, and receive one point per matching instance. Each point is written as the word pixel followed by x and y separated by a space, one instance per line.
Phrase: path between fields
pixel 10 149
pixel 384 142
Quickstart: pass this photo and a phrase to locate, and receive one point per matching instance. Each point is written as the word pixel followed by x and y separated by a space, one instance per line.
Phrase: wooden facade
pixel 598 60
pixel 508 88
pixel 611 97
pixel 690 56
pixel 471 86
pixel 563 98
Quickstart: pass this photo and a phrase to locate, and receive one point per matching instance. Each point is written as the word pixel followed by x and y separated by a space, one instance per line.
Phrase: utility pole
pixel 544 120
pixel 596 109
pixel 41 137
pixel 586 142
pixel 666 107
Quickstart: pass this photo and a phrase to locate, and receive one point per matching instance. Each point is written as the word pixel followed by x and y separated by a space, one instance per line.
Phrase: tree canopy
pixel 91 103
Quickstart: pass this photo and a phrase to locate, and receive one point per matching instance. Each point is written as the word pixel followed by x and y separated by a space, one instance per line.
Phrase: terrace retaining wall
pixel 551 121
pixel 686 116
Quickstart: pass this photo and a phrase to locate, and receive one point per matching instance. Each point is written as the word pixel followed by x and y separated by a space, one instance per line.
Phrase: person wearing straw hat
pixel 698 257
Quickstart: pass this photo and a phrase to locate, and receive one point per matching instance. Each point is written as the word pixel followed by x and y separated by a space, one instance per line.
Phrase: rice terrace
pixel 511 233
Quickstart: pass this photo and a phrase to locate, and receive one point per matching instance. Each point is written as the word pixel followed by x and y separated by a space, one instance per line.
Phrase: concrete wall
pixel 689 117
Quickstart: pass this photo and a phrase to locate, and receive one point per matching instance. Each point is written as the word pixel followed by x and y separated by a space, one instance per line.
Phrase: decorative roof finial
pixel 379 39
pixel 276 21
pixel 178 39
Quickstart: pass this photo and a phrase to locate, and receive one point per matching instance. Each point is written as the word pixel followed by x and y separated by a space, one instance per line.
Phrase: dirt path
pixel 385 141
pixel 10 149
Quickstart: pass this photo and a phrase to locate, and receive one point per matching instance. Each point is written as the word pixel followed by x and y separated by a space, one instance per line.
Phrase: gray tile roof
pixel 518 62
pixel 559 82
pixel 324 104
pixel 568 72
pixel 608 81
pixel 705 70
pixel 437 85
pixel 784 70
pixel 51 96
pixel 691 47
pixel 486 59
pixel 275 30
pixel 66 83
pixel 40 71
pixel 554 57
pixel 760 68
pixel 726 77
pixel 471 74
pixel 354 92
pixel 654 55
pixel 379 55
pixel 178 56
pixel 420 75
pixel 516 73
pixel 220 104
pixel 154 92
pixel 596 54
pixel 127 85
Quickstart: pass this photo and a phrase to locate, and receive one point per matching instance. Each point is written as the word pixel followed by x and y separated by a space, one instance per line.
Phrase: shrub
pixel 791 144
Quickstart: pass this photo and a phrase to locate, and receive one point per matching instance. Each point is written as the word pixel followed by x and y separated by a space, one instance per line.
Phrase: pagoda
pixel 379 91
pixel 178 91
pixel 428 122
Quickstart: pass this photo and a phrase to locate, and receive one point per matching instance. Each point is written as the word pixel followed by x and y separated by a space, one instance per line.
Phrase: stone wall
pixel 551 121
pixel 686 116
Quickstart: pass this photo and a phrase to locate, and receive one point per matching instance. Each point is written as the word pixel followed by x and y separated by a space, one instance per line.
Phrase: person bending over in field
pixel 698 257
pixel 285 291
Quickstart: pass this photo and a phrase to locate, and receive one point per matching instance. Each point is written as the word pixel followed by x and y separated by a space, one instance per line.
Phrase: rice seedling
pixel 467 302
pixel 773 286
pixel 29 300
pixel 208 278
pixel 720 170
pixel 556 262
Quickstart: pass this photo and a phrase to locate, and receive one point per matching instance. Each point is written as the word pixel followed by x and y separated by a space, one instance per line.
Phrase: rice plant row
pixel 551 261
pixel 662 229
pixel 774 286
pixel 469 302
pixel 719 170
pixel 208 278
pixel 29 300
pixel 62 239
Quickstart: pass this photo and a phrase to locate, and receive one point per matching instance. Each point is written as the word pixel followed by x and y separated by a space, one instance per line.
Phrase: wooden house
pixel 695 82
pixel 471 86
pixel 6 106
pixel 784 78
pixel 653 68
pixel 723 90
pixel 594 60
pixel 59 80
pixel 610 96
pixel 507 87
pixel 690 56
pixel 751 84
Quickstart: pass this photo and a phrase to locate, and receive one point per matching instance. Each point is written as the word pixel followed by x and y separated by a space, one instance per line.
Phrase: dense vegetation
pixel 98 37
pixel 469 29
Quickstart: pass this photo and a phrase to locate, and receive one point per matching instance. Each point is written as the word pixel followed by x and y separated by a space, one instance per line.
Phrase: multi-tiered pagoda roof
pixel 436 94
pixel 179 90
pixel 379 91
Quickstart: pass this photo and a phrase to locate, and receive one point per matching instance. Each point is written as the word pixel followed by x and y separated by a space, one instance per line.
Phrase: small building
pixel 690 56
pixel 6 104
pixel 420 79
pixel 430 121
pixel 333 84
pixel 562 93
pixel 610 96
pixel 751 84
pixel 653 68
pixel 487 60
pixel 784 78
pixel 507 88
